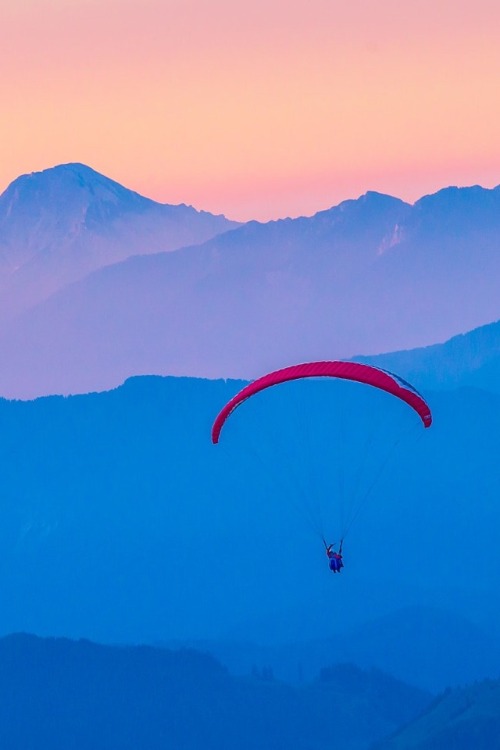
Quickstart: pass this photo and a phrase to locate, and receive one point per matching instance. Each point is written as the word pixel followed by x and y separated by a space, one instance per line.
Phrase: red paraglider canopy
pixel 374 376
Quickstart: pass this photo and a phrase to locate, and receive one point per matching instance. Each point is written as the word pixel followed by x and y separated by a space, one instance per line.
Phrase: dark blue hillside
pixel 62 694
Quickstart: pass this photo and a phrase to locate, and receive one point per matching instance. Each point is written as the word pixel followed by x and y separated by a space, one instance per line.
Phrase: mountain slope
pixel 461 719
pixel 58 225
pixel 470 359
pixel 368 276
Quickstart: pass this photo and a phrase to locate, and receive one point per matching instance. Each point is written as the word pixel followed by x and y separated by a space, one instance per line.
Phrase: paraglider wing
pixel 374 376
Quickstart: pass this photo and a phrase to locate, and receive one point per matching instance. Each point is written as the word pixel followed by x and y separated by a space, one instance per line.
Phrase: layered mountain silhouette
pixel 58 225
pixel 121 522
pixel 463 718
pixel 368 276
pixel 423 646
pixel 58 693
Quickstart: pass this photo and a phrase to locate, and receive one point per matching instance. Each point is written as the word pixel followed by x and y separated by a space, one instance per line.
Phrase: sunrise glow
pixel 254 110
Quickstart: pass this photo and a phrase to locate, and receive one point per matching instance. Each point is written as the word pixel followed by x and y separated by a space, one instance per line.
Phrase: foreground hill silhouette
pixel 466 718
pixel 60 694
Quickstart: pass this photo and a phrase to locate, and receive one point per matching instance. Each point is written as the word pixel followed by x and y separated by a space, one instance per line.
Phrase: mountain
pixel 367 276
pixel 58 225
pixel 58 693
pixel 463 718
pixel 470 359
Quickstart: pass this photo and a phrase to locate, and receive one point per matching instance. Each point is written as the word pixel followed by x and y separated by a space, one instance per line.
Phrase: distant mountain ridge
pixel 368 276
pixel 60 224
pixel 470 359
pixel 422 646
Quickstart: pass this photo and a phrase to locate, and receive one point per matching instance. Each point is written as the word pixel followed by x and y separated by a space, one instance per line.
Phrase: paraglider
pixel 367 375
pixel 335 560
pixel 360 373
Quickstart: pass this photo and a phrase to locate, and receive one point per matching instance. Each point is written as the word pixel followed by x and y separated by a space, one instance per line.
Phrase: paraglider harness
pixel 335 562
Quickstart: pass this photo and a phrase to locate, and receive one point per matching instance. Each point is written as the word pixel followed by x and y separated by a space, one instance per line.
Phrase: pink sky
pixel 256 109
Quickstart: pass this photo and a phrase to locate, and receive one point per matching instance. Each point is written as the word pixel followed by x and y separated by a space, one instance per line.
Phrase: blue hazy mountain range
pixel 368 276
pixel 58 225
pixel 58 694
pixel 121 522
pixel 424 646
